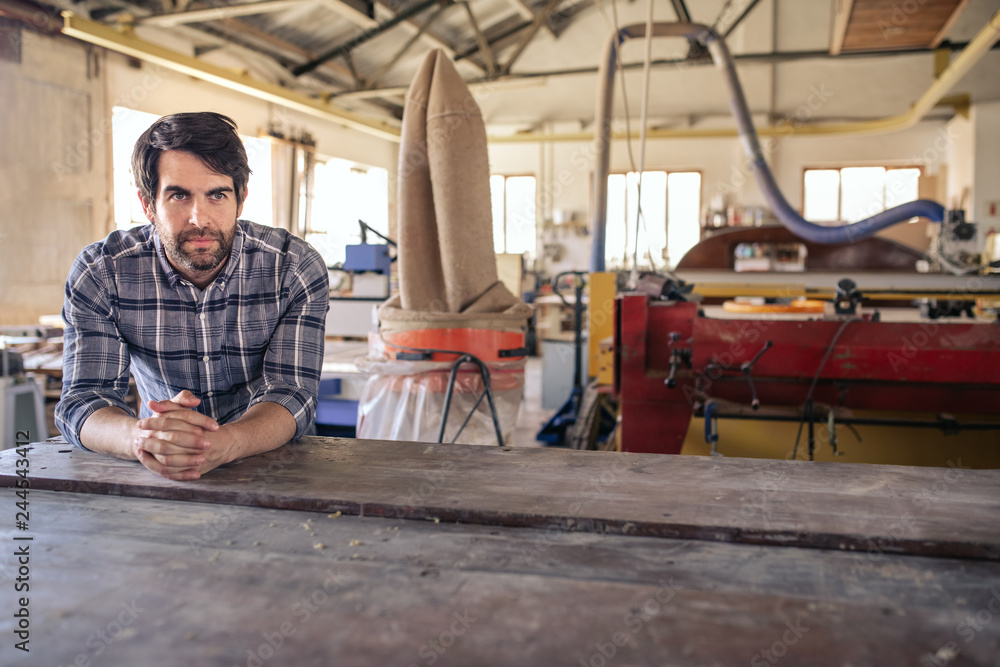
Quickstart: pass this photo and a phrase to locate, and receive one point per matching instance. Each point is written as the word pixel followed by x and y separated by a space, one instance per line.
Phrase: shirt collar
pixel 174 278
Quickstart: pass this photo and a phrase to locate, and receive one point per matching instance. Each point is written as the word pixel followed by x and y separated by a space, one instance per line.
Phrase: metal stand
pixel 484 373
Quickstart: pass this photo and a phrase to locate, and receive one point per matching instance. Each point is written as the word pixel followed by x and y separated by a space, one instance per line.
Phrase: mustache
pixel 200 234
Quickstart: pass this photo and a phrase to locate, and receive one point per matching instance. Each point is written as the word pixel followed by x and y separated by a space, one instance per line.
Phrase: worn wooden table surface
pixel 537 557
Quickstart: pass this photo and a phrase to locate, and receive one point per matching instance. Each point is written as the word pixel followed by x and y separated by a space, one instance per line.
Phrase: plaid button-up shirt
pixel 254 334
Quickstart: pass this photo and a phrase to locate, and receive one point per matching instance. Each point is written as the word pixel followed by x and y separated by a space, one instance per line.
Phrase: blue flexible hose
pixel 788 216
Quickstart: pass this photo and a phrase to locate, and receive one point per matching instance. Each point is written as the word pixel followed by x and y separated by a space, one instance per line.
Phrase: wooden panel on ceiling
pixel 886 25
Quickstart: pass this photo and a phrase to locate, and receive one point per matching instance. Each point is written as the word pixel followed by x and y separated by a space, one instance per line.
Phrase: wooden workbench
pixel 351 552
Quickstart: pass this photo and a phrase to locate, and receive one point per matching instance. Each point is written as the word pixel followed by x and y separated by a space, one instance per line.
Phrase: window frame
pixel 626 263
pixel 533 252
pixel 310 230
pixel 840 180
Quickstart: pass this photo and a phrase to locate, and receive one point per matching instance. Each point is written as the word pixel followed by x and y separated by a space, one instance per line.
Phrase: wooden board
pixel 865 508
pixel 131 581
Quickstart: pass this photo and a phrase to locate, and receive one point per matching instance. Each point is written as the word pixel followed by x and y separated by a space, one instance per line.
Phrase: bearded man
pixel 220 320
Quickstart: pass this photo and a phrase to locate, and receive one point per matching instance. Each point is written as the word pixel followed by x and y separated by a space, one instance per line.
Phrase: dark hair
pixel 210 136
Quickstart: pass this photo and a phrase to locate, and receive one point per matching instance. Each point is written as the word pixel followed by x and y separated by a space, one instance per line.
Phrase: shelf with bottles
pixel 734 216
pixel 766 256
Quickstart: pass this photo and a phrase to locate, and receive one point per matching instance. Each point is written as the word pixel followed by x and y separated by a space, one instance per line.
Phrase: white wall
pixel 961 161
pixel 986 186
pixel 53 169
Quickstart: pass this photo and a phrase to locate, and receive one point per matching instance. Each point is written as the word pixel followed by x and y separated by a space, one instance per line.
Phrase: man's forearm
pixel 263 427
pixel 109 431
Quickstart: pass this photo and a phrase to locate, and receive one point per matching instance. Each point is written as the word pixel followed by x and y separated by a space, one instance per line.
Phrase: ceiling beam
pixel 384 69
pixel 696 49
pixel 540 17
pixel 946 28
pixel 217 13
pixel 484 87
pixel 367 35
pixel 427 36
pixel 840 21
pixel 982 43
pixel 522 78
pixel 739 19
pixel 510 32
pixel 484 45
pixel 293 51
pixel 346 11
pixel 39 19
pixel 525 11
pixel 680 8
pixel 109 38
pixel 362 20
pixel 522 9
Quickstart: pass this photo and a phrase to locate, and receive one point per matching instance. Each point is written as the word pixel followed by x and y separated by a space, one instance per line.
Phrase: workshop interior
pixel 660 332
pixel 755 229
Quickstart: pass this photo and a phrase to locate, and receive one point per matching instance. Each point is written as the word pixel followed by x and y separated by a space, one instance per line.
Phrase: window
pixel 855 193
pixel 513 203
pixel 258 206
pixel 346 192
pixel 127 125
pixel 669 225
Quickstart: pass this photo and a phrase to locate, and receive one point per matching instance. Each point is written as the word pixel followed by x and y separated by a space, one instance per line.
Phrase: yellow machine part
pixel 892 445
pixel 601 326
pixel 798 306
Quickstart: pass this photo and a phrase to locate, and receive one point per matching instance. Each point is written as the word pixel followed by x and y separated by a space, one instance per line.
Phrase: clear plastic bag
pixel 404 400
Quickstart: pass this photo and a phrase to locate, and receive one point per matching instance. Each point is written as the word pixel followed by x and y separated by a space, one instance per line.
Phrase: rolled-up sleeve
pixel 294 358
pixel 95 357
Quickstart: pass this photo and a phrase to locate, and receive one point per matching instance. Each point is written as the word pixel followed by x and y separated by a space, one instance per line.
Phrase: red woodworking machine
pixel 672 362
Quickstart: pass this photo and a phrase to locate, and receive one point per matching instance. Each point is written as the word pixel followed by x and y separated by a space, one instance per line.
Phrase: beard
pixel 199 259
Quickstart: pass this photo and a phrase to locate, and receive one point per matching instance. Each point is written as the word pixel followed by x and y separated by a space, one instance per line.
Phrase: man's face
pixel 195 215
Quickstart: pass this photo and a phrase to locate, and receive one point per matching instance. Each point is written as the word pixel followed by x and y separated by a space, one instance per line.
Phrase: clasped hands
pixel 178 442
